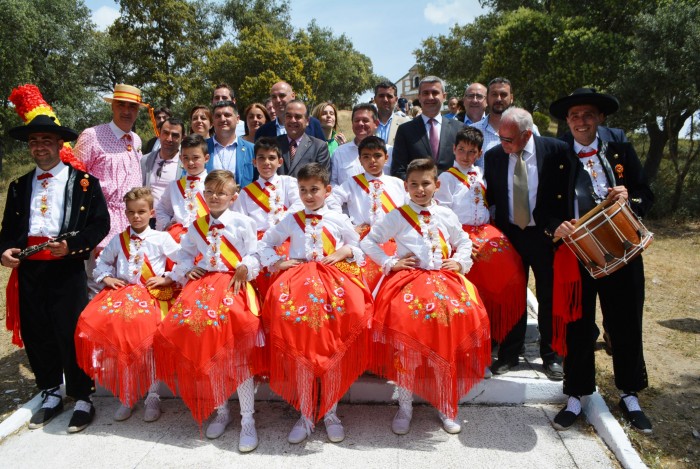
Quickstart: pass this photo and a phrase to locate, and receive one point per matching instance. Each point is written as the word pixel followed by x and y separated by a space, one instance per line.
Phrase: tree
pixel 251 14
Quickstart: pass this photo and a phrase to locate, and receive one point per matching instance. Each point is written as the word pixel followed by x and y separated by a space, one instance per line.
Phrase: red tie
pixel 434 138
pixel 425 213
pixel 586 154
pixel 292 150
pixel 193 178
pixel 313 216
pixel 471 173
pixel 127 140
pixel 41 177
pixel 135 238
pixel 216 226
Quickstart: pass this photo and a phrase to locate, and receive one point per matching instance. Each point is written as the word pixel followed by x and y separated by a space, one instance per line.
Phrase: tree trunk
pixel 657 143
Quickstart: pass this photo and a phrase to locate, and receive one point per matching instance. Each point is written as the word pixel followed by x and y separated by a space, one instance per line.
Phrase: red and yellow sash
pixel 461 177
pixel 387 204
pixel 202 207
pixel 326 236
pixel 229 254
pixel 259 195
pixel 411 217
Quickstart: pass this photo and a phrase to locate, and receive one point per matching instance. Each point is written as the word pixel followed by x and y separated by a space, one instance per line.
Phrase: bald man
pixel 282 94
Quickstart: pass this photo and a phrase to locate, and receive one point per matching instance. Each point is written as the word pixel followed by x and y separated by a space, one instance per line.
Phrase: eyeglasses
pixel 475 96
pixel 159 171
pixel 219 195
pixel 509 139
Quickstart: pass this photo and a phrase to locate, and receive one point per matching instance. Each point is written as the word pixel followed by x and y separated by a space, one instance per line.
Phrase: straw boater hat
pixel 127 93
pixel 607 104
pixel 42 124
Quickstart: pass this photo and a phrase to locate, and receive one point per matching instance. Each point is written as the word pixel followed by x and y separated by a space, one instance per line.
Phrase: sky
pixel 387 31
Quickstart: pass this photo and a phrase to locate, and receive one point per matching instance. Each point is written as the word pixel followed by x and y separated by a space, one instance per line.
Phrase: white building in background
pixel 407 85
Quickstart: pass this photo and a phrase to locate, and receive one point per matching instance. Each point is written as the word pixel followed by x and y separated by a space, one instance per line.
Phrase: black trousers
pixel 536 252
pixel 52 294
pixel 622 304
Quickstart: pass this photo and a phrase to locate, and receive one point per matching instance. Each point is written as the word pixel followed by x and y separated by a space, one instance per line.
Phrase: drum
pixel 608 237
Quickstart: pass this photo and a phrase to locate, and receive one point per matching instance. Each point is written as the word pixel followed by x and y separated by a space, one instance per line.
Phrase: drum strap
pixel 584 190
pixel 602 151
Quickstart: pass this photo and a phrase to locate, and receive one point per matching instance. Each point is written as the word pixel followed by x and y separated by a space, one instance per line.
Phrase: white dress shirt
pixel 48 201
pixel 284 197
pixel 532 178
pixel 157 246
pixel 422 246
pixel 364 207
pixel 345 163
pixel 174 208
pixel 224 156
pixel 469 203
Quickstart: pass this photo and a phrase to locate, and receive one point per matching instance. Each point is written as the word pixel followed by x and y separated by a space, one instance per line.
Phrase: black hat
pixel 607 104
pixel 45 124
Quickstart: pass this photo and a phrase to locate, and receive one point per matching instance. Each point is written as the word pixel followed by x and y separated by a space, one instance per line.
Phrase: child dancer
pixel 208 339
pixel 114 337
pixel 317 309
pixel 268 199
pixel 431 332
pixel 498 270
pixel 182 202
pixel 369 196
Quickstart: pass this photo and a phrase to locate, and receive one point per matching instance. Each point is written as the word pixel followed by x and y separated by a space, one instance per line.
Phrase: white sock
pixel 246 398
pixel 51 400
pixel 406 400
pixel 331 412
pixel 631 402
pixel 574 405
pixel 154 387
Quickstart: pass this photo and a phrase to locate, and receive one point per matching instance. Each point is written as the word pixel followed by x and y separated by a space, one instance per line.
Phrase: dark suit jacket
pixel 606 134
pixel 412 142
pixel 496 175
pixel 312 130
pixel 555 201
pixel 310 150
pixel 84 211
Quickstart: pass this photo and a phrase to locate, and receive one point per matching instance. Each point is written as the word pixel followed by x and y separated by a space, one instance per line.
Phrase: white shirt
pixel 283 195
pixel 48 201
pixel 364 207
pixel 591 164
pixel 468 203
pixel 345 163
pixel 174 208
pixel 157 246
pixel 224 156
pixel 532 178
pixel 168 173
pixel 238 229
pixel 301 243
pixel 425 246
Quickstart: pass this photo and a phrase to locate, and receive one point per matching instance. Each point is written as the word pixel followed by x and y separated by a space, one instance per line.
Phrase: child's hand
pixel 155 282
pixel 196 273
pixel 282 264
pixel 114 283
pixel 475 252
pixel 362 229
pixel 337 256
pixel 238 279
pixel 451 264
pixel 407 262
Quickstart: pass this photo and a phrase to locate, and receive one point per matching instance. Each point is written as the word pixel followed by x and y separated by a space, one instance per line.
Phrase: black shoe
pixel 636 418
pixel 553 370
pixel 46 414
pixel 564 419
pixel 502 366
pixel 81 418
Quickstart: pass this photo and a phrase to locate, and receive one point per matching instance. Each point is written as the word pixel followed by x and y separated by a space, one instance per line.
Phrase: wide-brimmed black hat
pixel 42 124
pixel 607 104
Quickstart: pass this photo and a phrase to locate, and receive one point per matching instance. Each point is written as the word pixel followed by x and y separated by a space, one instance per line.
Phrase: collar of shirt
pixel 174 159
pixel 225 219
pixel 274 180
pixel 468 121
pixel 593 146
pixel 55 171
pixel 528 151
pixel 289 140
pixel 419 208
pixel 321 211
pixel 144 234
pixel 472 168
pixel 438 118
pixel 281 130
pixel 230 145
pixel 119 133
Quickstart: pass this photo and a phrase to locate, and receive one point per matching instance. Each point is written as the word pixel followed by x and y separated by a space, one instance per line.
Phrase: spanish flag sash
pixel 461 177
pixel 229 254
pixel 411 217
pixel 387 204
pixel 202 207
pixel 259 195
pixel 326 236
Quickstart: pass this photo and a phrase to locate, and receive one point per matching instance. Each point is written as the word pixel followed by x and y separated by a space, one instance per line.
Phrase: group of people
pixel 281 252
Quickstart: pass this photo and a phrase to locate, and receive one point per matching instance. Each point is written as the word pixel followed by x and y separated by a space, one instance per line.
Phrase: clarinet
pixel 31 250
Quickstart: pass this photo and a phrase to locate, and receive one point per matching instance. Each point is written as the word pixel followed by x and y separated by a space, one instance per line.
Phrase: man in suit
pixel 428 135
pixel 224 92
pixel 474 104
pixel 299 149
pixel 48 290
pixel 282 94
pixel 226 150
pixel 385 98
pixel 593 170
pixel 512 175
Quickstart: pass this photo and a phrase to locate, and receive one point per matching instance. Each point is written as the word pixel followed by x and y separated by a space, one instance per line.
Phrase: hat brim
pixel 606 103
pixel 109 100
pixel 23 132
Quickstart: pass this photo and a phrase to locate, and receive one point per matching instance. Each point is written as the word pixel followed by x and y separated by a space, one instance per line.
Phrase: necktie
pixel 135 238
pixel 424 213
pixel 193 178
pixel 314 219
pixel 521 201
pixel 586 154
pixel 41 177
pixel 434 138
pixel 216 226
pixel 292 150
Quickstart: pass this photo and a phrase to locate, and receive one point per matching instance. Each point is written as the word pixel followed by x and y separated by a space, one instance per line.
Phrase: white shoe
pixel 487 373
pixel 248 440
pixel 300 431
pixel 122 413
pixel 449 425
pixel 152 407
pixel 217 427
pixel 402 421
pixel 334 428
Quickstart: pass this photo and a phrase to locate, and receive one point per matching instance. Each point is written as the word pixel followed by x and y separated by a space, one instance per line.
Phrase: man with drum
pixel 593 171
